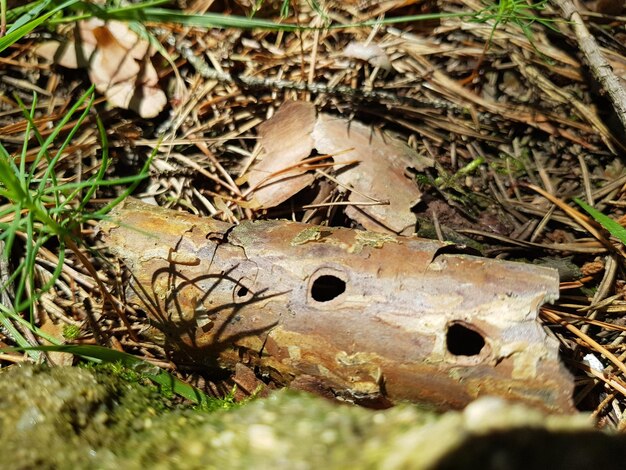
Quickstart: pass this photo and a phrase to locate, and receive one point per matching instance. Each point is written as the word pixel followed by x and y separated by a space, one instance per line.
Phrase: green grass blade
pixel 6 313
pixel 86 184
pixel 29 129
pixel 56 273
pixel 609 224
pixel 19 30
pixel 14 275
pixel 88 95
pixel 104 165
pixel 143 174
pixel 9 177
pixel 26 279
pixel 49 174
pixel 207 20
pixel 139 6
pixel 20 10
pixel 146 12
pixel 216 20
pixel 27 14
pixel 10 232
pixel 13 333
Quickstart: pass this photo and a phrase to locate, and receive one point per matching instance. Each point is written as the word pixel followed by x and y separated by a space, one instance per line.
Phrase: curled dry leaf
pixel 69 54
pixel 286 141
pixel 379 172
pixel 118 62
pixel 372 53
pixel 146 101
pixel 111 63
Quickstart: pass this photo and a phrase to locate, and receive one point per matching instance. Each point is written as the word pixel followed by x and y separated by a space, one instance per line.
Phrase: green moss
pixel 75 418
pixel 68 417
pixel 71 332
pixel 129 375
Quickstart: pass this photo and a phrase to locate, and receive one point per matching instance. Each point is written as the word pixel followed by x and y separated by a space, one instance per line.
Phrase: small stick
pixel 599 66
pixel 210 73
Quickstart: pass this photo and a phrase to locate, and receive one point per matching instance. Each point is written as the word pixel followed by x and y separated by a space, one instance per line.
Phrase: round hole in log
pixel 242 291
pixel 327 287
pixel 462 340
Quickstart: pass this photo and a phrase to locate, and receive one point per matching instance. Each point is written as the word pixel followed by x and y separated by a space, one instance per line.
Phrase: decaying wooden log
pixel 361 315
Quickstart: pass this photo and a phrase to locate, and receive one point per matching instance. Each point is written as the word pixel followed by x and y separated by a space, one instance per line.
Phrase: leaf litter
pixel 367 165
pixel 118 63
pixel 524 106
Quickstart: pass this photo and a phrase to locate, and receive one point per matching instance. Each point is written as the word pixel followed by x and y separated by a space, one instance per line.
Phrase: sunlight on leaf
pixel 609 224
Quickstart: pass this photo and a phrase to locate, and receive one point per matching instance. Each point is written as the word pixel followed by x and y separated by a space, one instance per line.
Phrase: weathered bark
pixel 361 315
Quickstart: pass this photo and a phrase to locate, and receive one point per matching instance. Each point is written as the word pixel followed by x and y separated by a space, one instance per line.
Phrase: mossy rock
pixel 77 418
pixel 68 417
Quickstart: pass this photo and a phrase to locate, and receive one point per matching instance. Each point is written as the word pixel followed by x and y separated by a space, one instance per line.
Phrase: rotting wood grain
pixel 366 317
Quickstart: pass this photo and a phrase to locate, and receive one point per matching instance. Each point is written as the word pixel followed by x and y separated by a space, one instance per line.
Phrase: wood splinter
pixel 366 317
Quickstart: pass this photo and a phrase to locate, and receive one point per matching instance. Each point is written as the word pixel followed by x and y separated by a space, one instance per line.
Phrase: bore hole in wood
pixel 326 288
pixel 462 340
pixel 241 292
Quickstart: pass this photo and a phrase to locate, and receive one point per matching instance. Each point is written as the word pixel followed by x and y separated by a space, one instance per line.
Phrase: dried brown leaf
pixel 111 63
pixel 68 54
pixel 380 172
pixel 145 100
pixel 138 48
pixel 286 140
pixel 85 30
pixel 118 64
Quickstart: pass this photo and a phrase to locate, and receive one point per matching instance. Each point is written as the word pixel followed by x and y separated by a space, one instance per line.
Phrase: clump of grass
pixel 36 209
pixel 517 12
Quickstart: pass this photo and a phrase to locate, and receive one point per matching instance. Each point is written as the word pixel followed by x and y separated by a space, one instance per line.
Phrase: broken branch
pixel 369 317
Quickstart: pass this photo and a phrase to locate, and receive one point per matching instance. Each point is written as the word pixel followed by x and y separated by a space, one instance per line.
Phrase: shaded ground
pixel 497 102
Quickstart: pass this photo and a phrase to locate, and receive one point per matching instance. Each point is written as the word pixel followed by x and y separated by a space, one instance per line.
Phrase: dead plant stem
pixel 599 66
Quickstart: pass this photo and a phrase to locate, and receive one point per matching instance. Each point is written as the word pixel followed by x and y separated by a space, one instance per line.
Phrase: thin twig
pixel 599 66
pixel 202 68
